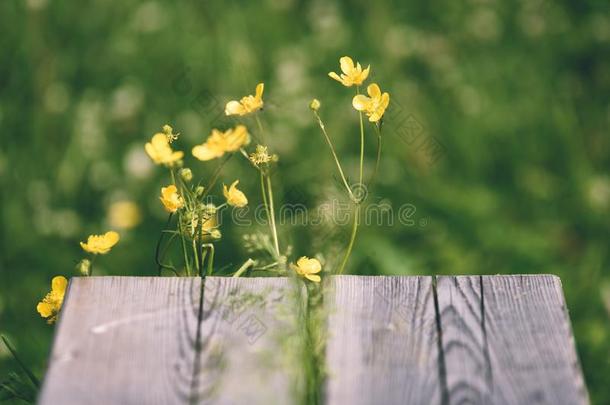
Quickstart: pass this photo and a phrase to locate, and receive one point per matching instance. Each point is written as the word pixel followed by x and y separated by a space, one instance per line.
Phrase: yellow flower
pixel 219 143
pixel 307 268
pixel 124 215
pixel 247 104
pixel 100 244
pixel 351 74
pixel 234 196
pixel 161 152
pixel 375 105
pixel 51 304
pixel 172 201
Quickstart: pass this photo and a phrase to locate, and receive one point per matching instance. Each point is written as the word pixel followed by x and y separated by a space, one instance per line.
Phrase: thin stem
pixel 244 267
pixel 351 240
pixel 158 248
pixel 215 176
pixel 27 371
pixel 266 202
pixel 272 212
pixel 332 150
pixel 187 263
pixel 260 127
pixel 211 259
pixel 378 157
pixel 361 141
pixel 93 257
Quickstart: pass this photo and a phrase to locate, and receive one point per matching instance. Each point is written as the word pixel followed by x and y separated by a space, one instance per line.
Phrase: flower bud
pixel 186 174
pixel 199 191
pixel 84 267
pixel 315 104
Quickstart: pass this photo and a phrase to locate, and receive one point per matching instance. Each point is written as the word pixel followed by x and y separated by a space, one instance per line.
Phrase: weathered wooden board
pixel 242 358
pixel 382 346
pixel 508 340
pixel 124 340
pixel 391 340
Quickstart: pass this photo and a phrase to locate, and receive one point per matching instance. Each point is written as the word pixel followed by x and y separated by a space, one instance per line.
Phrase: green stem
pixel 332 150
pixel 93 257
pixel 215 176
pixel 260 127
pixel 244 267
pixel 351 240
pixel 378 158
pixel 25 369
pixel 361 140
pixel 187 263
pixel 272 212
pixel 211 259
pixel 158 248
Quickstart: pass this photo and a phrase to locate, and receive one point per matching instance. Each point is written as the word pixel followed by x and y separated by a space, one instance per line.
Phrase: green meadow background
pixel 497 139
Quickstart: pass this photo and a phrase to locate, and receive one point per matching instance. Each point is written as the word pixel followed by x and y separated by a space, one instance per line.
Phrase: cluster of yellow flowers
pixel 196 220
pixel 373 106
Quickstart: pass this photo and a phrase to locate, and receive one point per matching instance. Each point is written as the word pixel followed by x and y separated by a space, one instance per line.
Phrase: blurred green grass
pixel 516 93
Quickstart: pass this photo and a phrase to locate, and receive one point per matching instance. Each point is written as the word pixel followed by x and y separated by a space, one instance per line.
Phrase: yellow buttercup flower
pixel 219 143
pixel 234 196
pixel 172 201
pixel 308 268
pixel 51 304
pixel 352 74
pixel 161 152
pixel 100 244
pixel 375 105
pixel 247 104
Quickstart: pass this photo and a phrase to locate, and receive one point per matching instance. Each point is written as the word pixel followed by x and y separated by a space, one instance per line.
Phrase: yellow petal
pixel 347 64
pixel 313 277
pixel 204 153
pixel 365 73
pixel 59 284
pixel 111 238
pixel 360 102
pixel 374 90
pixel 45 309
pixel 335 76
pixel 234 108
pixel 259 90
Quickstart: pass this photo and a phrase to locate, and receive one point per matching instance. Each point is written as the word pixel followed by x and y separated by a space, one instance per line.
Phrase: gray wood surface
pixel 124 340
pixel 382 344
pixel 242 358
pixel 507 340
pixel 390 340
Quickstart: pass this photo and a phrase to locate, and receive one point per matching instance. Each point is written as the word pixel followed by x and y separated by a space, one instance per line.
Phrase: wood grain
pixel 508 340
pixel 465 348
pixel 124 340
pixel 242 357
pixel 382 346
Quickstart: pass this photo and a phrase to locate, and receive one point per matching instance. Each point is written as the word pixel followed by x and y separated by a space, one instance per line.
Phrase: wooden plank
pixel 382 346
pixel 508 340
pixel 465 350
pixel 242 356
pixel 124 340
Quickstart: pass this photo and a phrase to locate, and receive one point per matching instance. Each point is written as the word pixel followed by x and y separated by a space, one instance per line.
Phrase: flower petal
pixel 347 64
pixel 204 153
pixel 365 73
pixel 360 102
pixel 234 108
pixel 374 90
pixel 335 76
pixel 59 284
pixel 44 309
pixel 313 277
pixel 259 90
